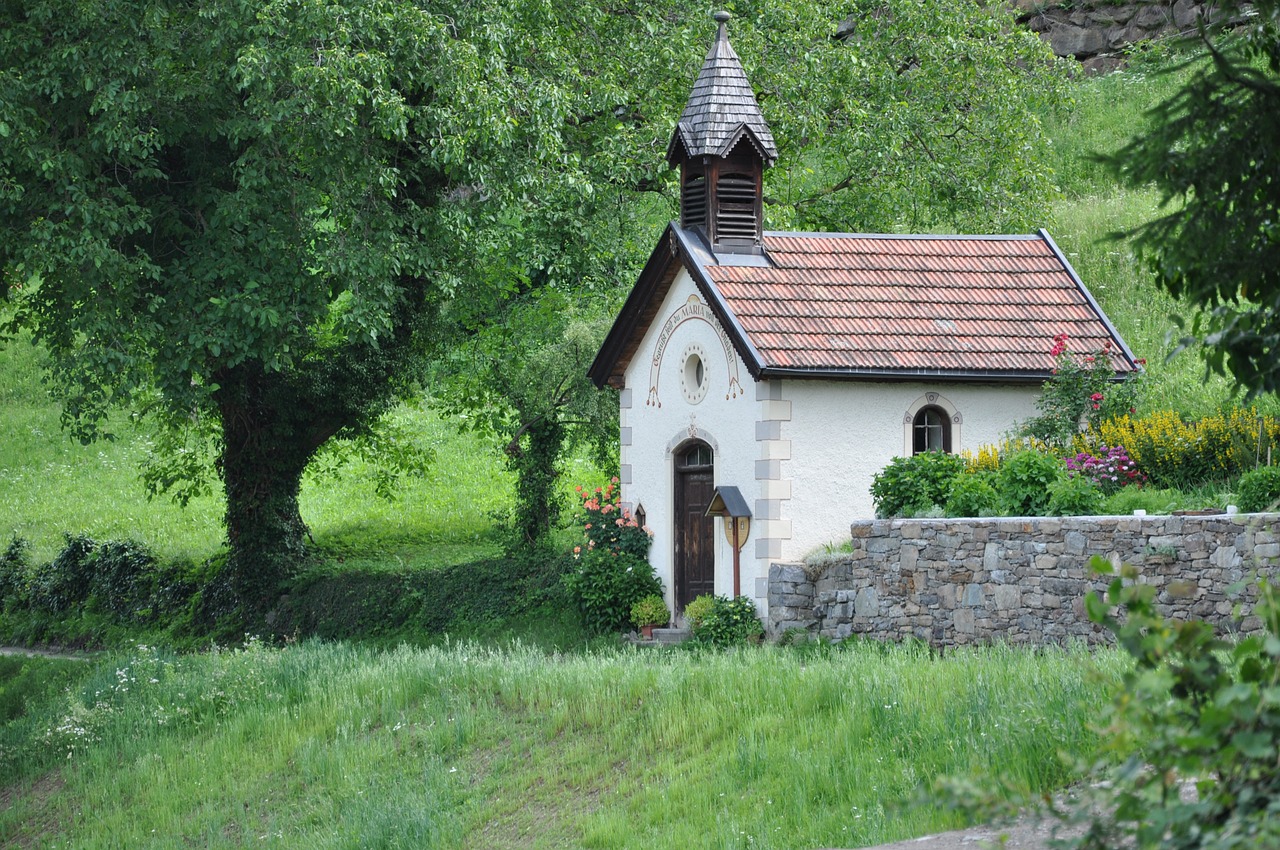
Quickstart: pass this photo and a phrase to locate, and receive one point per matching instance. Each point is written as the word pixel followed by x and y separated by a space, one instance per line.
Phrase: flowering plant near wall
pixel 607 526
pixel 1110 469
pixel 611 572
pixel 1178 453
pixel 1082 392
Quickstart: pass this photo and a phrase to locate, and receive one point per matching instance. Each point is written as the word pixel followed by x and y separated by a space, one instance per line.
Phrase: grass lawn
pixel 315 746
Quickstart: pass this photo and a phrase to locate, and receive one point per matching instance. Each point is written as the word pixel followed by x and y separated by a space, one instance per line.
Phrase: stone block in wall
pixel 949 541
pixel 867 602
pixel 1225 557
pixel 790 573
pixel 882 545
pixel 1007 597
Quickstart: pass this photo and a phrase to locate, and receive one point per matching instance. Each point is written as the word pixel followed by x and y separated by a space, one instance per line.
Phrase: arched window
pixel 930 430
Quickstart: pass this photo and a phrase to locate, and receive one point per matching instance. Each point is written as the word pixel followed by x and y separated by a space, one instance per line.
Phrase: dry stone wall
pixel 1022 580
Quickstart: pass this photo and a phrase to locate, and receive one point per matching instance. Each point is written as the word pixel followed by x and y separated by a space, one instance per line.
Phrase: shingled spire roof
pixel 722 108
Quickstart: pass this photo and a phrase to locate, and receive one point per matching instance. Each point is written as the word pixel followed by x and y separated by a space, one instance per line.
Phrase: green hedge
pixel 108 593
pixel 343 604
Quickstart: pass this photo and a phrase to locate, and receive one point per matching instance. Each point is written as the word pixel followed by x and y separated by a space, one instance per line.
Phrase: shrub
pixel 605 585
pixel 1193 707
pixel 13 571
pixel 973 495
pixel 909 486
pixel 1074 496
pixel 1024 481
pixel 1259 490
pixel 124 579
pixel 607 525
pixel 1110 469
pixel 1175 453
pixel 697 611
pixel 650 611
pixel 67 580
pixel 610 573
pixel 986 459
pixel 728 622
pixel 1082 391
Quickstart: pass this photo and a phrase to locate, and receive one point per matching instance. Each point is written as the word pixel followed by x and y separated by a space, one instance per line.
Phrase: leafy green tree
pixel 247 216
pixel 1211 151
pixel 523 377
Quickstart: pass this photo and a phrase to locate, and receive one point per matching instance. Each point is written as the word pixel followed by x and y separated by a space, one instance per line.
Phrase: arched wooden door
pixel 695 564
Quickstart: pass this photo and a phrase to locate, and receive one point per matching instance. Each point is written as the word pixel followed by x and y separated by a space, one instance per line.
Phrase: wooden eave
pixel 674 251
pixel 679 146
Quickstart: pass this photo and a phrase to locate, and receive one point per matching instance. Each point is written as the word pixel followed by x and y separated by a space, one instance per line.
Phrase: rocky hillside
pixel 1096 32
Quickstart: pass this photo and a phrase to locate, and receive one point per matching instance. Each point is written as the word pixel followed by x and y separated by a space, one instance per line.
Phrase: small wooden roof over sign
pixel 878 307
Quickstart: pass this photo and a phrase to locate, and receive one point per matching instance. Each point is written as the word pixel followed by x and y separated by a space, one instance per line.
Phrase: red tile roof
pixel 971 304
pixel 877 307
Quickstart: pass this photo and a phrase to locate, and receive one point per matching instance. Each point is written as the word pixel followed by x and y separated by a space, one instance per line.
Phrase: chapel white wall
pixel 653 427
pixel 842 433
pixel 802 452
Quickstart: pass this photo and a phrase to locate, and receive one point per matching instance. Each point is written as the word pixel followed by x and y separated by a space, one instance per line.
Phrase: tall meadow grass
pixel 463 746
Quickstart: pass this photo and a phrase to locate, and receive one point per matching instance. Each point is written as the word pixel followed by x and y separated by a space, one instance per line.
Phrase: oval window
pixel 693 379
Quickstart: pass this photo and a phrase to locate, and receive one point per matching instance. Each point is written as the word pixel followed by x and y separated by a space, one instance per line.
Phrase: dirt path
pixel 47 653
pixel 1022 835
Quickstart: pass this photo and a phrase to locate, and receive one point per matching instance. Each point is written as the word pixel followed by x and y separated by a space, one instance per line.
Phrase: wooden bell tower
pixel 722 146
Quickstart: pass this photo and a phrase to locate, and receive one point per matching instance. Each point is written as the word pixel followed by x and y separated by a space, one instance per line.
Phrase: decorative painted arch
pixel 693 310
pixel 942 403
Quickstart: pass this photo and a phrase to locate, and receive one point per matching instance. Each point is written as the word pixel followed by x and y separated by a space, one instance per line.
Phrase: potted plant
pixel 648 612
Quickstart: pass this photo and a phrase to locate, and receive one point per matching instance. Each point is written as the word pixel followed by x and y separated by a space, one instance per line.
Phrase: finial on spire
pixel 722 17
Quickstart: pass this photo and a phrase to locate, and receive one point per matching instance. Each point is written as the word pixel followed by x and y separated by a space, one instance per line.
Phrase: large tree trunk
pixel 264 453
pixel 274 422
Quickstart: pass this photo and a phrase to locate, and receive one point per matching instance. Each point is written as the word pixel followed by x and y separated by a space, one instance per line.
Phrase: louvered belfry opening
pixel 693 196
pixel 722 145
pixel 722 198
pixel 736 204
